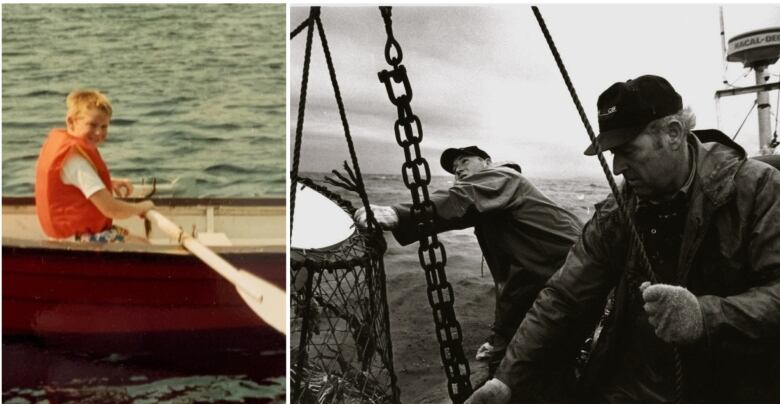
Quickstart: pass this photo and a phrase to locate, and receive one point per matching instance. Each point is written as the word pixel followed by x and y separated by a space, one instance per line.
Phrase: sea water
pixel 198 94
pixel 578 195
pixel 198 91
pixel 417 362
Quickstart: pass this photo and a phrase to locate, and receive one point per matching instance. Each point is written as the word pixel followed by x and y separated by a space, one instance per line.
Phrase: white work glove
pixel 484 351
pixel 494 391
pixel 673 311
pixel 493 349
pixel 384 215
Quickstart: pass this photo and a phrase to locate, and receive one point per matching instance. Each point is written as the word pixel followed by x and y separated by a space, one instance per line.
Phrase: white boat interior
pixel 216 223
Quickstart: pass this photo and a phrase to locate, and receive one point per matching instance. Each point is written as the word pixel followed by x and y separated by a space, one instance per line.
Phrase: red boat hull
pixel 55 291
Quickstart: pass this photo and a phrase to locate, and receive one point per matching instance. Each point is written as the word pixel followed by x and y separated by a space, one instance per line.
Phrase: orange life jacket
pixel 63 210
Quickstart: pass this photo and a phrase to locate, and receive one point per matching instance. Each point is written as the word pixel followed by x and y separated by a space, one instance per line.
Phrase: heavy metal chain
pixel 636 241
pixel 417 176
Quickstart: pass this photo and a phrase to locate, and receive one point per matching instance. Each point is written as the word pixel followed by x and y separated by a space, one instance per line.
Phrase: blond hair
pixel 80 100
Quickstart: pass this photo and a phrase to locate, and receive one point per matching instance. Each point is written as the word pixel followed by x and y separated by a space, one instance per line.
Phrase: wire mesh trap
pixel 340 335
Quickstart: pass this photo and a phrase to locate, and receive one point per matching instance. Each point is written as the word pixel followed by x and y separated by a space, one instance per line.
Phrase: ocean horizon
pixel 576 194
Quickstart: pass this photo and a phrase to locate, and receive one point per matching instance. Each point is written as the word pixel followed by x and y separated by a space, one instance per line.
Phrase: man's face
pixel 647 164
pixel 463 166
pixel 90 125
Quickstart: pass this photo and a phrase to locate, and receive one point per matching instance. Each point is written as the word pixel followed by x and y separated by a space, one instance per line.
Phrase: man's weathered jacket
pixel 524 236
pixel 729 259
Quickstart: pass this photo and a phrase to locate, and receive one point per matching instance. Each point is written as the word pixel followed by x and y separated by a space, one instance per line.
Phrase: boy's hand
pixel 122 187
pixel 144 206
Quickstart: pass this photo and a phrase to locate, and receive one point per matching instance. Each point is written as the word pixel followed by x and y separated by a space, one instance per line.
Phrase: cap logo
pixel 609 111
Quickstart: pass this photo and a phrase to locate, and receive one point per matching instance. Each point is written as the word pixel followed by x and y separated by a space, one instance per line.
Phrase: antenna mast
pixel 756 50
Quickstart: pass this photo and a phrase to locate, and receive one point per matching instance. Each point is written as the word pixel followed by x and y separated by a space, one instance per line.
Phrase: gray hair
pixel 685 116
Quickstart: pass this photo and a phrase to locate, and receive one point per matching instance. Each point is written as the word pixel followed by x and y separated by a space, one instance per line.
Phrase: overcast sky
pixel 485 76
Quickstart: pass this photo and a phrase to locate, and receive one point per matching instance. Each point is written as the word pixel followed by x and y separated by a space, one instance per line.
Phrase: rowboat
pixel 71 291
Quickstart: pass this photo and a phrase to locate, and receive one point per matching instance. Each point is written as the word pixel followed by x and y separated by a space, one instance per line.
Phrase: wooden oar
pixel 266 299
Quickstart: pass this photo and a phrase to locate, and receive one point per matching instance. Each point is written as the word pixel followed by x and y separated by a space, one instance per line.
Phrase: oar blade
pixel 270 307
pixel 267 300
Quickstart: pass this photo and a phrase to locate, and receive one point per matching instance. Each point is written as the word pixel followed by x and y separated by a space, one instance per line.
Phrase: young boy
pixel 73 188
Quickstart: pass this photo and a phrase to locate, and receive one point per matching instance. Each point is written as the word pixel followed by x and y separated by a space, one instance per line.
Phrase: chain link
pixel 417 176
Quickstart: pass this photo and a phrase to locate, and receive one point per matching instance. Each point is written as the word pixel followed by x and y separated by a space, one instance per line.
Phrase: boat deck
pixel 240 223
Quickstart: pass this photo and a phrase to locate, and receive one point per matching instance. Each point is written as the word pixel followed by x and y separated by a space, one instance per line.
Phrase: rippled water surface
pixel 198 91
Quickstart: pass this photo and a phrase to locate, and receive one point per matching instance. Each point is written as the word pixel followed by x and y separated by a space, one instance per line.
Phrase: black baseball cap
pixel 625 109
pixel 449 156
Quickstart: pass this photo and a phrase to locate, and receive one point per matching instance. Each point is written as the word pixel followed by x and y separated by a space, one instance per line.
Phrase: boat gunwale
pixel 165 201
pixel 167 249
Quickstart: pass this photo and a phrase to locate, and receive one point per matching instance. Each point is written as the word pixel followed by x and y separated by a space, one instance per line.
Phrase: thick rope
pixel 636 241
pixel 301 112
pixel 294 185
pixel 372 223
pixel 300 28
pixel 392 43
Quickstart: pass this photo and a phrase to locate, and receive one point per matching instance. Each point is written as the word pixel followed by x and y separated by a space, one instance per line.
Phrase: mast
pixel 757 50
pixel 764 111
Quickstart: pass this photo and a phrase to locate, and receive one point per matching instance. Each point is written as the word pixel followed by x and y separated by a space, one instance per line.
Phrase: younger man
pixel 523 234
pixel 73 188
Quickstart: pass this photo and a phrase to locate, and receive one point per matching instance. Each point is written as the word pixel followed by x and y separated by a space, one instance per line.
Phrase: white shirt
pixel 77 171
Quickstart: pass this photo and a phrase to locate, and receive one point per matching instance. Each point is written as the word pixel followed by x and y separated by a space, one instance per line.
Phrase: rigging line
pixel 745 120
pixel 636 241
pixel 300 27
pixel 301 113
pixel 732 84
pixel 293 186
pixel 605 167
pixel 372 223
pixel 392 43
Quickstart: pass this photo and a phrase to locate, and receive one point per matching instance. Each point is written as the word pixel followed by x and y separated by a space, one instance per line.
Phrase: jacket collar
pixel 717 160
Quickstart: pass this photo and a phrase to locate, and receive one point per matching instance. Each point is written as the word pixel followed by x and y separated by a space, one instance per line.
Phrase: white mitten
pixel 673 311
pixel 385 216
pixel 492 392
pixel 484 351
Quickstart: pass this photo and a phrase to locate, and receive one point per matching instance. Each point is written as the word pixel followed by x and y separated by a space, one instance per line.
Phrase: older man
pixel 524 236
pixel 709 220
